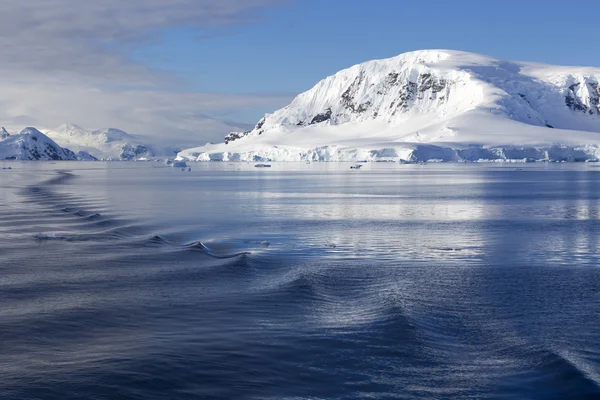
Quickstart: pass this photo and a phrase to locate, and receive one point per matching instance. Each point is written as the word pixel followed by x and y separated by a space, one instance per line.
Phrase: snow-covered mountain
pixel 106 143
pixel 31 144
pixel 440 104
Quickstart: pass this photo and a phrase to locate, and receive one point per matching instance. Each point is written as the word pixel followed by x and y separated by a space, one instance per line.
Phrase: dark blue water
pixel 138 281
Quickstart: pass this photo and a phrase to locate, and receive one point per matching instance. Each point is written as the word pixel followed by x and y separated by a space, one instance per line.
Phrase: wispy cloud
pixel 65 60
pixel 180 117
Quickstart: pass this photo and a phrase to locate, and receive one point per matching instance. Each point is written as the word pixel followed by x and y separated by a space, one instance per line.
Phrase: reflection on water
pixel 135 280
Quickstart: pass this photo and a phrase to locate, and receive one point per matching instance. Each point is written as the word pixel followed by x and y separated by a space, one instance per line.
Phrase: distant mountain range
pixel 71 142
pixel 107 144
pixel 432 104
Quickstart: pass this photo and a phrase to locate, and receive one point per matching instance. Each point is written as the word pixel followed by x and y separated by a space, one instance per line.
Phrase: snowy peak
pixel 106 144
pixel 384 90
pixel 444 98
pixel 3 133
pixel 443 84
pixel 71 129
pixel 105 135
pixel 113 135
pixel 31 144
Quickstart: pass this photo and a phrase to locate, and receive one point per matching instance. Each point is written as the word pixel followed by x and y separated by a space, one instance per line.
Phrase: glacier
pixel 441 105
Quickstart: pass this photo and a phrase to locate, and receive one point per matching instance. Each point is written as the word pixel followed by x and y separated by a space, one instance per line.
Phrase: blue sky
pixel 293 46
pixel 193 70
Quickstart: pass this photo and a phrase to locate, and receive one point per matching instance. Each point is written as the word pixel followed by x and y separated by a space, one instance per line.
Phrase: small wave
pixel 62 177
pixel 94 217
pixel 447 249
pixel 464 250
pixel 199 246
pixel 36 192
pixel 72 237
pixel 116 233
pixel 567 363
pixel 296 284
pixel 299 283
pixel 157 239
pixel 51 236
pixel 153 241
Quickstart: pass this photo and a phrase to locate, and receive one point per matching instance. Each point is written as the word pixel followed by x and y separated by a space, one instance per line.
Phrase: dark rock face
pixel 34 154
pixel 407 94
pixel 131 152
pixel 427 81
pixel 52 151
pixel 3 133
pixel 426 85
pixel 238 135
pixel 363 107
pixel 595 97
pixel 49 151
pixel 348 97
pixel 326 116
pixel 575 103
pixel 260 123
pixel 391 80
pixel 417 90
pixel 572 101
pixel 235 136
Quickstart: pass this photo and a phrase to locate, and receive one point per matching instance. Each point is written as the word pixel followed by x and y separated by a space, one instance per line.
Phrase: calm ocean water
pixel 139 281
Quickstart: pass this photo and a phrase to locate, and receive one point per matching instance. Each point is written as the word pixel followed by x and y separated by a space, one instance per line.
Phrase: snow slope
pixel 106 143
pixel 440 104
pixel 31 144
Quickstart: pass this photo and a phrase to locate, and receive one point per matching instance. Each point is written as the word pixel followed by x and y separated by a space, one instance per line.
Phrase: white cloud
pixel 180 117
pixel 65 60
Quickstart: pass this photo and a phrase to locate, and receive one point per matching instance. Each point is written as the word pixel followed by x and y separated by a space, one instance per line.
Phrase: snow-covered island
pixel 431 104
